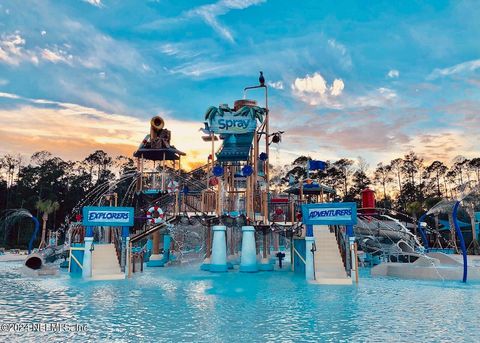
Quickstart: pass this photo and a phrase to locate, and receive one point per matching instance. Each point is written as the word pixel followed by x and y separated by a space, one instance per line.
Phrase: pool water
pixel 184 304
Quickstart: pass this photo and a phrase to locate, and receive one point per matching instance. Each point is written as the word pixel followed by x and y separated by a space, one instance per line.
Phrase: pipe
pixel 462 241
pixel 422 232
pixel 36 260
pixel 34 235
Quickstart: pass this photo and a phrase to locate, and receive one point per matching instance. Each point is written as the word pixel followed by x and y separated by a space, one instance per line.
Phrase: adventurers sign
pixel 107 216
pixel 340 213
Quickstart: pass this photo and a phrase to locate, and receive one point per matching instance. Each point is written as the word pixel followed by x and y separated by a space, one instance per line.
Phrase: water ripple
pixel 183 304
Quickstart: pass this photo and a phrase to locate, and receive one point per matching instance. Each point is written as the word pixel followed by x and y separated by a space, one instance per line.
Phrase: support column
pixel 206 262
pixel 157 259
pixel 309 257
pixel 353 264
pixel 87 256
pixel 275 237
pixel 167 241
pixel 231 259
pixel 248 260
pixel 128 257
pixel 265 263
pixel 125 234
pixel 219 250
pixel 156 243
pixel 353 256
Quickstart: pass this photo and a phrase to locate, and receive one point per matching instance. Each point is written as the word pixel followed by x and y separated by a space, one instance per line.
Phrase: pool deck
pixel 9 257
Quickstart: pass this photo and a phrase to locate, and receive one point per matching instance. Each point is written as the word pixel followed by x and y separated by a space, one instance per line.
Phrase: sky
pixel 374 79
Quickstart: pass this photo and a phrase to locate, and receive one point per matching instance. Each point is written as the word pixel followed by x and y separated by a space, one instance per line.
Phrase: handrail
pixel 342 247
pixel 144 234
pixel 117 242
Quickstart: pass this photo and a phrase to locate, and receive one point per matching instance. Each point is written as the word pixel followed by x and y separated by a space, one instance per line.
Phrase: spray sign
pixel 340 213
pixel 107 216
pixel 233 124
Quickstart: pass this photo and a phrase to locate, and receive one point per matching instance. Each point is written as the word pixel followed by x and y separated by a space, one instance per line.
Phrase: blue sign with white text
pixel 338 213
pixel 229 123
pixel 107 216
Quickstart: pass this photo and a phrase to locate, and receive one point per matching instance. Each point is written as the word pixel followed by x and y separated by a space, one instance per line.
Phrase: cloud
pixel 442 145
pixel 56 55
pixel 342 52
pixel 4 82
pixel 9 96
pixel 379 97
pixel 464 67
pixel 209 14
pixel 393 73
pixel 337 87
pixel 97 3
pixel 313 89
pixel 12 50
pixel 84 45
pixel 73 131
pixel 369 133
pixel 275 84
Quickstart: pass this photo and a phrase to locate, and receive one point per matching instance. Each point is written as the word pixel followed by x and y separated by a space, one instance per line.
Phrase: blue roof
pixel 235 148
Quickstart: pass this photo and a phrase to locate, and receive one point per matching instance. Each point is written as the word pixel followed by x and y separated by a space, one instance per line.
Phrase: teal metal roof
pixel 235 148
pixel 313 188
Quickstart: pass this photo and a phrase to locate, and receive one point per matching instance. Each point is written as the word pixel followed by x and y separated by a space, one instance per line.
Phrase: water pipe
pixel 422 232
pixel 462 241
pixel 34 235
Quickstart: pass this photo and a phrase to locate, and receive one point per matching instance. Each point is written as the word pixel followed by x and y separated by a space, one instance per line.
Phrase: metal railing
pixel 344 247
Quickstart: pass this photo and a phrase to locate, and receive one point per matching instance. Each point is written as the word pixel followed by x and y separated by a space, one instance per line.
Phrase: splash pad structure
pixel 223 213
pixel 435 264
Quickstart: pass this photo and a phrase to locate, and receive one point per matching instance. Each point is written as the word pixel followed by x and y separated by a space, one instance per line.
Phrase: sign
pixel 316 165
pixel 229 123
pixel 108 216
pixel 338 213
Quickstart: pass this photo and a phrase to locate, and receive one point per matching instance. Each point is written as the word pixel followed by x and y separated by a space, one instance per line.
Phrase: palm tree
pixel 414 209
pixel 46 207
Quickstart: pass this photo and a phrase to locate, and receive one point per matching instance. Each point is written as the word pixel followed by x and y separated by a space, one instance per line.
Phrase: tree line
pixel 407 183
pixel 47 179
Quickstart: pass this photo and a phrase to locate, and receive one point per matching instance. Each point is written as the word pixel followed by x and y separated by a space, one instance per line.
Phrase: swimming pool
pixel 183 304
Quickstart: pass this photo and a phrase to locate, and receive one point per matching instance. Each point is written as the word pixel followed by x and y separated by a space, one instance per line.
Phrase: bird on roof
pixel 261 79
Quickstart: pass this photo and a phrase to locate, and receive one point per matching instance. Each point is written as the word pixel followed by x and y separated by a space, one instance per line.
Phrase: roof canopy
pixel 314 188
pixel 168 154
pixel 235 147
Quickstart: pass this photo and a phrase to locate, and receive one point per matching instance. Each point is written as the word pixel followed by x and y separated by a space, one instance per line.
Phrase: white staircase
pixel 105 263
pixel 329 268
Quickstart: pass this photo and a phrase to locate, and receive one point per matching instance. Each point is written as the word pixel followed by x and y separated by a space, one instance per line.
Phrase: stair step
pixel 111 276
pixel 105 264
pixel 329 268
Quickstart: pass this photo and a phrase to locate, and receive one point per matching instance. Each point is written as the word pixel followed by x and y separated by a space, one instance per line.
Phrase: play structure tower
pixel 158 183
pixel 239 173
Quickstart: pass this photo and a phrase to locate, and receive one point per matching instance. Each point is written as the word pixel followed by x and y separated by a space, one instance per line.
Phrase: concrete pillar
pixel 159 260
pixel 87 258
pixel 230 246
pixel 266 264
pixel 125 234
pixel 155 247
pixel 309 267
pixel 353 264
pixel 128 257
pixel 206 262
pixel 248 261
pixel 218 262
